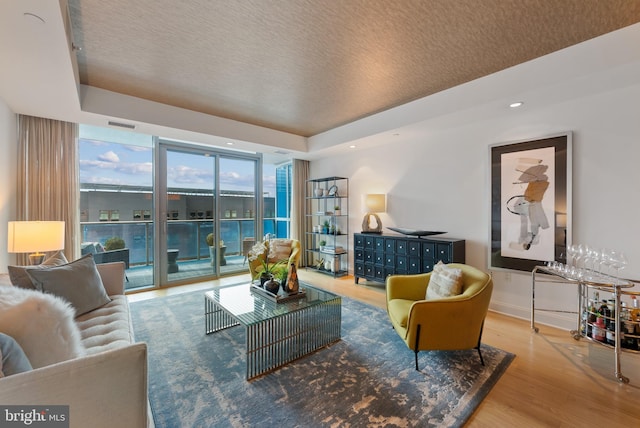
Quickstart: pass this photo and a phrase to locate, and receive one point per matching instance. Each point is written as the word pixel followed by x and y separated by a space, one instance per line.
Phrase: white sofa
pixel 105 388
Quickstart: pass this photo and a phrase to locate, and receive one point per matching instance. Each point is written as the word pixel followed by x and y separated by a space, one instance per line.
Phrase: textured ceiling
pixel 305 66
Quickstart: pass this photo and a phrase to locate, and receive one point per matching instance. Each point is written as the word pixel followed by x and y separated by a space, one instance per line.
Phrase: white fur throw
pixel 42 324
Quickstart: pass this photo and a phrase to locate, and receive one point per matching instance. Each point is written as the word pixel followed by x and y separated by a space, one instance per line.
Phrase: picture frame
pixel 530 215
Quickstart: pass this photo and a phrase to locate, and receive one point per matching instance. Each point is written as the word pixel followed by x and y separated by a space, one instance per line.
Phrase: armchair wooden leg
pixel 416 347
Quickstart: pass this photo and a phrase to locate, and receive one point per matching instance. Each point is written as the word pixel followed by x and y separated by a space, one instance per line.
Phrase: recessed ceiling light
pixel 353 146
pixel 516 104
pixel 229 143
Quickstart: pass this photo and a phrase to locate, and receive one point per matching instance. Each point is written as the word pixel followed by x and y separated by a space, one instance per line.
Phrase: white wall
pixel 8 143
pixel 440 182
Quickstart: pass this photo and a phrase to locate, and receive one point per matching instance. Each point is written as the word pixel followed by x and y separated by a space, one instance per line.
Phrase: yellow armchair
pixel 451 323
pixel 280 245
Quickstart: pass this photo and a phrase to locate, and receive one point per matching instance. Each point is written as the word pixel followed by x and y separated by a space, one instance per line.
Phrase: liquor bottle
pixel 635 311
pixel 591 317
pixel 611 322
pixel 599 330
pixel 611 334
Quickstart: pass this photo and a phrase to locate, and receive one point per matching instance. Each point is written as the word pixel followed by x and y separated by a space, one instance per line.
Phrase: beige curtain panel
pixel 300 172
pixel 48 186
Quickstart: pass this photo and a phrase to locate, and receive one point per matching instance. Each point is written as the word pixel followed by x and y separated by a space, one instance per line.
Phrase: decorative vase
pixel 264 277
pixel 272 286
pixel 292 280
pixel 318 192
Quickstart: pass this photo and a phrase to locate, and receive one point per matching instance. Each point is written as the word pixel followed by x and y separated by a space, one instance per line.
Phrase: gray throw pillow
pixel 77 282
pixel 18 274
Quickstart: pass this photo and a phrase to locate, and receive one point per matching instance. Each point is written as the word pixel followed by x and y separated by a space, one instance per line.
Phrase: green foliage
pixel 210 239
pixel 114 243
pixel 271 268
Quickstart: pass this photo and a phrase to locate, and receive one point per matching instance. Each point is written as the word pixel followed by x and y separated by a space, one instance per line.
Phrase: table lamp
pixel 374 203
pixel 35 237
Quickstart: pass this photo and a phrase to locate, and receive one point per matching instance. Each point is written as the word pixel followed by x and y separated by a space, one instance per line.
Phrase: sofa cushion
pixel 20 278
pixel 107 327
pixel 78 282
pixel 399 310
pixel 444 282
pixel 42 324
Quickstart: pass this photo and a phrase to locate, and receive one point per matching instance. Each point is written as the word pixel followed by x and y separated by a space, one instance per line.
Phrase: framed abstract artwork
pixel 530 202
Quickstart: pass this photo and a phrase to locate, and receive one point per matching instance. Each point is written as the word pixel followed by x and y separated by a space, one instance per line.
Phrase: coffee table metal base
pixel 277 341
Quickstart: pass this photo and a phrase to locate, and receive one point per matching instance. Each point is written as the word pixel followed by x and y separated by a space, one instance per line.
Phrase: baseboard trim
pixel 563 321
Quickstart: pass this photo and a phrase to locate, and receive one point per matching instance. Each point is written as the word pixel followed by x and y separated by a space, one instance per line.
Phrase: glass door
pixel 239 210
pixel 207 210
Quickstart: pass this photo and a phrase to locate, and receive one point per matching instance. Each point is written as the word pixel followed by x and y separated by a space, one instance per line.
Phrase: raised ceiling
pixel 305 66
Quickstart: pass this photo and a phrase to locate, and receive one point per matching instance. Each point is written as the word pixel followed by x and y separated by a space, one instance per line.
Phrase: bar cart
pixel 600 283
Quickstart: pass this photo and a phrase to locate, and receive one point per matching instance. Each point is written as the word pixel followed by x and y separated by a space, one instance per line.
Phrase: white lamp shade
pixel 561 220
pixel 35 236
pixel 375 202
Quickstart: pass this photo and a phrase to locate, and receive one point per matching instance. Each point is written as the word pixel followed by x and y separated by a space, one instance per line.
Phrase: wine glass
pixel 581 252
pixel 618 261
pixel 589 255
pixel 605 260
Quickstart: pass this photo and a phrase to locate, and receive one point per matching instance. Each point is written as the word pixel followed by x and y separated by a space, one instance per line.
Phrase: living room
pixel 431 156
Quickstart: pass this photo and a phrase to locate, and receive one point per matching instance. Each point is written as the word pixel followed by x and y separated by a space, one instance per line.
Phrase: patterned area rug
pixel 366 379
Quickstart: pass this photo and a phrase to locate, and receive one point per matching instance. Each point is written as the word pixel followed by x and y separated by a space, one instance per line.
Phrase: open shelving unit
pixel 327 215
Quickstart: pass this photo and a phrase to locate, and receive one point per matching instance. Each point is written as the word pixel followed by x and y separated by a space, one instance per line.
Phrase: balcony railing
pixel 188 236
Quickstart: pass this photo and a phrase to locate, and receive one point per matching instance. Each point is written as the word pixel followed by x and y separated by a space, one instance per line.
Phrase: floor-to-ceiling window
pixel 205 208
pixel 116 199
pixel 283 200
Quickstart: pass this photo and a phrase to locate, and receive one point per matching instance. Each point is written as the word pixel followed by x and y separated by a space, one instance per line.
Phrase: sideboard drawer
pixel 378 256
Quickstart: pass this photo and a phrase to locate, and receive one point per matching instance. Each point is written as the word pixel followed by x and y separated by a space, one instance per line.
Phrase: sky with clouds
pixel 105 162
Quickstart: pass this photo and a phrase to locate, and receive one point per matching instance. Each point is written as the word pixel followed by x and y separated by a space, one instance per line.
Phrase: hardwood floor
pixel 553 381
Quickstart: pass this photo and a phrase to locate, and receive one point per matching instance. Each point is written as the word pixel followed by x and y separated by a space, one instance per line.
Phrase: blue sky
pixel 105 161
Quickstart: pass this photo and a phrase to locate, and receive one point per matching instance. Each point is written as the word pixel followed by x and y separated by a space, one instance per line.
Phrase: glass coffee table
pixel 276 333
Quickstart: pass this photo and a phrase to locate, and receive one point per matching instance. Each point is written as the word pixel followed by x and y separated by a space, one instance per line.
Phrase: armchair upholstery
pixel 451 323
pixel 255 266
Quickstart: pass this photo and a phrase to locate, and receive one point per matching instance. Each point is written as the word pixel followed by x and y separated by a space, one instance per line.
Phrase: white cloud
pixel 109 156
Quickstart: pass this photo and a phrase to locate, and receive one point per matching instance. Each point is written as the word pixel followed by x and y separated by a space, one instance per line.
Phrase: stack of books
pixel 332 249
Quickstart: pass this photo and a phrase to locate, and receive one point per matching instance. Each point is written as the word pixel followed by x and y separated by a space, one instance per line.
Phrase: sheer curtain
pixel 48 176
pixel 300 173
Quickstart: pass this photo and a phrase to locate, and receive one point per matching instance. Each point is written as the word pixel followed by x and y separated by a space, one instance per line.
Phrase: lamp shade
pixel 375 202
pixel 561 220
pixel 35 236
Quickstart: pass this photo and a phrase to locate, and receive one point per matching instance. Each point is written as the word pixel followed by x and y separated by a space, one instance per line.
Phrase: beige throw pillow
pixel 280 249
pixel 444 282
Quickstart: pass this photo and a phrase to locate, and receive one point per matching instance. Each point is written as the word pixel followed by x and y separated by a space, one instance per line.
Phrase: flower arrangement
pixel 268 268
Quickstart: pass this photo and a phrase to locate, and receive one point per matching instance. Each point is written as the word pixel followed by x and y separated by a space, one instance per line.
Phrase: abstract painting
pixel 530 202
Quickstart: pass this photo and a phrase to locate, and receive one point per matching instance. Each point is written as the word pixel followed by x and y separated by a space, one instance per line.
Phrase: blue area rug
pixel 367 379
